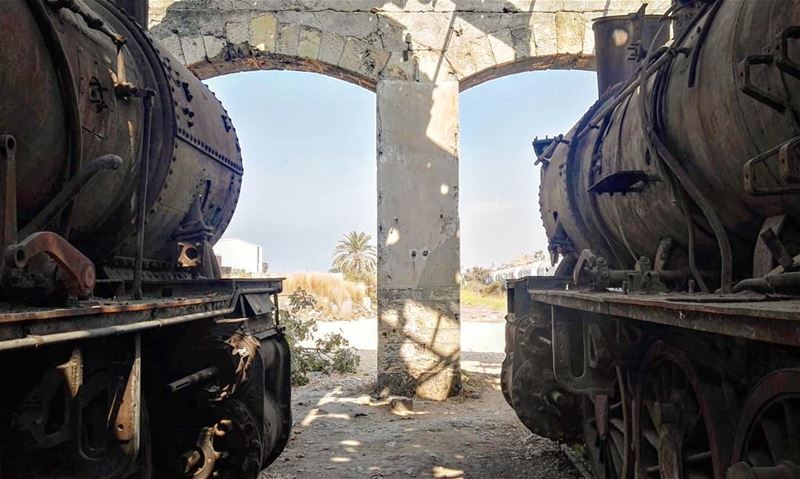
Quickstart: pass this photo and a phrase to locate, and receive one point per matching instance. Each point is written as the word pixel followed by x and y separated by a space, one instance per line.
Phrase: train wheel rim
pixel 768 434
pixel 674 431
pixel 610 453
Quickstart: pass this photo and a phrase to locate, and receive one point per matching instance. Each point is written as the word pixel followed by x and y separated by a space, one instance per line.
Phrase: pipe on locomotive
pixel 654 169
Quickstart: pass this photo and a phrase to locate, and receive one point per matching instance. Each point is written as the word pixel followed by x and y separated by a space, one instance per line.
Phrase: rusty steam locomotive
pixel 122 351
pixel 669 339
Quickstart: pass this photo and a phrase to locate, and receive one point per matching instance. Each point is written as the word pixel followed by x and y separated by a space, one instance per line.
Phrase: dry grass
pixel 482 296
pixel 329 289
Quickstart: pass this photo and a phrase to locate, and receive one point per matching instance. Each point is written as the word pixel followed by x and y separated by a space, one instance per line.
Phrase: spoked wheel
pixel 607 432
pixel 675 434
pixel 232 448
pixel 767 443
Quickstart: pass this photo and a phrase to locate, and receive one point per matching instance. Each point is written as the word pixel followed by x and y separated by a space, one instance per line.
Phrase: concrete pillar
pixel 419 337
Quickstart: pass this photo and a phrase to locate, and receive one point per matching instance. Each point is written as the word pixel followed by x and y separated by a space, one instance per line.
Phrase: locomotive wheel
pixel 767 441
pixel 230 449
pixel 607 432
pixel 674 430
pixel 540 402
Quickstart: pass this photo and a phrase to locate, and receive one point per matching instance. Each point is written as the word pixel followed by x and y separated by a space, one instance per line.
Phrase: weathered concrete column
pixel 419 340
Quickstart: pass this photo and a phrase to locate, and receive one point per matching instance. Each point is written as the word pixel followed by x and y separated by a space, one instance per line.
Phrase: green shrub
pixel 332 352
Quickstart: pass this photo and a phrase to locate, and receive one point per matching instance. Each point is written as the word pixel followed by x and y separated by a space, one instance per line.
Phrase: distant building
pixel 239 257
pixel 537 268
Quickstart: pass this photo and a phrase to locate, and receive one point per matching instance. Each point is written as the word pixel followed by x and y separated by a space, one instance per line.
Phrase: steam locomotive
pixel 669 339
pixel 122 351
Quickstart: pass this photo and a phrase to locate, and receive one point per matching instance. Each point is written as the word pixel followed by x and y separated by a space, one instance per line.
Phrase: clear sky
pixel 308 143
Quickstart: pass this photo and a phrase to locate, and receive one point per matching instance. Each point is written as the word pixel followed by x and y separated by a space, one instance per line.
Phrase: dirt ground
pixel 340 431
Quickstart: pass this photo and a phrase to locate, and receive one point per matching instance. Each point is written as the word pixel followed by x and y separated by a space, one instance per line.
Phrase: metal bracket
pixel 763 259
pixel 789 161
pixel 77 267
pixel 8 181
pixel 753 91
pixel 596 355
pixel 787 153
pixel 662 254
pixel 783 59
pixel 777 248
pixel 623 181
pixel 129 411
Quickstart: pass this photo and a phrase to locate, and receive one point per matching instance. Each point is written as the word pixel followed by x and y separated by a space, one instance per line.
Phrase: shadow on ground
pixel 341 431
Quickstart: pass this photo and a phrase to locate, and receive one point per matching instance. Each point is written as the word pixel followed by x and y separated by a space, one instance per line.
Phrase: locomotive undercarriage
pixel 191 381
pixel 668 385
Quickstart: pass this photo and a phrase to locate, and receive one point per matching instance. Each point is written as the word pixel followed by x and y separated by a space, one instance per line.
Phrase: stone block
pixel 330 48
pixel 264 32
pixel 468 58
pixel 194 50
pixel 523 41
pixel 588 38
pixel 357 56
pixel 309 43
pixel 432 66
pixel 237 32
pixel 570 29
pixel 398 68
pixel 288 39
pixel 545 35
pixel 503 47
pixel 213 46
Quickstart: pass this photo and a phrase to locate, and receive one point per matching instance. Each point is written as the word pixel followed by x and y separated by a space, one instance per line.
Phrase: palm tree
pixel 354 257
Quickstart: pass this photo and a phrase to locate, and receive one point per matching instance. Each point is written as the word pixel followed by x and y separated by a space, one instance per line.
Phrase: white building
pixel 537 268
pixel 239 255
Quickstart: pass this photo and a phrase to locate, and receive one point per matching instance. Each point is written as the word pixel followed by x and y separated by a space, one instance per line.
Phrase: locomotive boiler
pixel 668 340
pixel 123 351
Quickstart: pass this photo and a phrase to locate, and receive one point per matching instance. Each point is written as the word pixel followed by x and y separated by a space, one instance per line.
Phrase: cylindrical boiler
pixel 670 160
pixel 75 91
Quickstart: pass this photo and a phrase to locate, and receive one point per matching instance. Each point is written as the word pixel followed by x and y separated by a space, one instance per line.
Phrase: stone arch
pixel 365 41
pixel 417 55
pixel 236 42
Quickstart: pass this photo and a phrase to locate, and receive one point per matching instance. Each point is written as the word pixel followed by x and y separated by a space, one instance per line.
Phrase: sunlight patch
pixel 393 237
pixel 446 472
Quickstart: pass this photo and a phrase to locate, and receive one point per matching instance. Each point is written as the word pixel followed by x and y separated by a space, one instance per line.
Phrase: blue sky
pixel 308 143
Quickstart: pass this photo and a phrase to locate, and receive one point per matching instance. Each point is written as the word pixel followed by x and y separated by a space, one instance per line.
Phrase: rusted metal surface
pixel 618 38
pixel 679 422
pixel 243 385
pixel 126 157
pixel 78 271
pixel 138 9
pixel 81 68
pixel 528 382
pixel 775 321
pixel 194 301
pixel 673 205
pixel 765 444
pixel 657 130
pixel 8 182
pixel 127 423
pixel 607 430
pixel 67 194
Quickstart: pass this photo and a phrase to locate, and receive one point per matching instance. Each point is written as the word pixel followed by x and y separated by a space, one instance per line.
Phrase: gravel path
pixel 341 432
